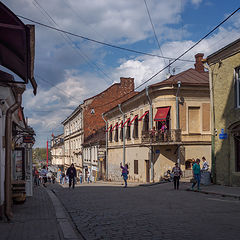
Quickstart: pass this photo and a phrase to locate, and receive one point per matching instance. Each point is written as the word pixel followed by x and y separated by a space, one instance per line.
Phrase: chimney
pixel 199 65
pixel 127 82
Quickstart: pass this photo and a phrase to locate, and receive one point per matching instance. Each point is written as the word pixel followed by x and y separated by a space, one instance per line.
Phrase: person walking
pixel 43 174
pixel 205 166
pixel 197 174
pixel 124 173
pixel 177 174
pixel 80 177
pixel 36 176
pixel 71 173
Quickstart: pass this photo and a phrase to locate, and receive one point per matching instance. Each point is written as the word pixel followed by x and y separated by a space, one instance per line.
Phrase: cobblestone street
pixel 108 211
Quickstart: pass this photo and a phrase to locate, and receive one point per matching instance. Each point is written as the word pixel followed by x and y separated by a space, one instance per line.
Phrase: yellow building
pixel 224 76
pixel 136 133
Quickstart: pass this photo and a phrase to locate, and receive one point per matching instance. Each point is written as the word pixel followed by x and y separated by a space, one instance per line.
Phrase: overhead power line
pixel 100 42
pixel 72 43
pixel 149 15
pixel 194 45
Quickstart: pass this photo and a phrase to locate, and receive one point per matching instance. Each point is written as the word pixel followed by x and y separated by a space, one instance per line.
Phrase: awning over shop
pixel 114 127
pixel 161 114
pixel 141 118
pixel 132 120
pixel 126 122
pixel 17 45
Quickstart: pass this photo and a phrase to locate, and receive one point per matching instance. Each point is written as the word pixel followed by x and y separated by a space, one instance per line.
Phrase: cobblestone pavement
pixel 33 220
pixel 101 211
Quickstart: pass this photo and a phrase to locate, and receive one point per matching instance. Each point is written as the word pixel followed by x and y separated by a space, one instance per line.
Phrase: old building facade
pixel 57 151
pixel 136 132
pixel 73 139
pixel 85 121
pixel 224 74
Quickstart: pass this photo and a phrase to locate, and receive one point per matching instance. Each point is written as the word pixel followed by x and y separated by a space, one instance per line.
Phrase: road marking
pixel 223 200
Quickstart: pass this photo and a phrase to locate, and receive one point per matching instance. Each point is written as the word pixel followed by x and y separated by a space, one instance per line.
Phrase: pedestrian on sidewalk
pixel 124 173
pixel 205 166
pixel 80 177
pixel 36 176
pixel 197 174
pixel 71 173
pixel 177 174
pixel 43 174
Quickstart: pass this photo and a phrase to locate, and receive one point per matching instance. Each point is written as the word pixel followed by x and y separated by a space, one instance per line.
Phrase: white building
pixel 73 138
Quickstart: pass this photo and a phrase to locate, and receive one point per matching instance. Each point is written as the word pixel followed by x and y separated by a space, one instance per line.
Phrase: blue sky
pixel 69 69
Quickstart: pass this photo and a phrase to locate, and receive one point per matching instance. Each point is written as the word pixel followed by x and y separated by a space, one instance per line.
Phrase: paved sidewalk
pixel 223 191
pixel 37 219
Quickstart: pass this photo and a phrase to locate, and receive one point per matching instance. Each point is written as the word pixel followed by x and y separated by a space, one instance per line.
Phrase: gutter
pixel 212 121
pixel 8 149
pixel 151 127
pixel 124 147
pixel 106 146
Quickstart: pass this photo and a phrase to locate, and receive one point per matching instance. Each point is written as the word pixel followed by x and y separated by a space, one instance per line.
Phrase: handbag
pixel 193 180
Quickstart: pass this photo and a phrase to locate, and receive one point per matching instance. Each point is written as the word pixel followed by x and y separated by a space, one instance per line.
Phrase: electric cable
pixel 71 43
pixel 153 28
pixel 99 42
pixel 149 79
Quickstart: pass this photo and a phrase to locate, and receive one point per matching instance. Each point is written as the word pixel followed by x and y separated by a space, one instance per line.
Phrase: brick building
pixel 91 121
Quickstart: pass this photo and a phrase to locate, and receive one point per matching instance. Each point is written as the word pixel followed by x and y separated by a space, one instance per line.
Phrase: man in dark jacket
pixel 71 173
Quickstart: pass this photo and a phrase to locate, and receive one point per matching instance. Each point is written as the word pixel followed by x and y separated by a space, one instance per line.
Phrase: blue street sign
pixel 222 135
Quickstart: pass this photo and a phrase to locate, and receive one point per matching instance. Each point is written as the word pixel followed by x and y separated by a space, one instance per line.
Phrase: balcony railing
pixel 173 135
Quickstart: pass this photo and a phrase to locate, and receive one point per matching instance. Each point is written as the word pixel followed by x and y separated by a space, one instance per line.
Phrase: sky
pixel 70 69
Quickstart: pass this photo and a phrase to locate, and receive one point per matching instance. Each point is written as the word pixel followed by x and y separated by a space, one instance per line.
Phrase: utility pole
pixel 47 154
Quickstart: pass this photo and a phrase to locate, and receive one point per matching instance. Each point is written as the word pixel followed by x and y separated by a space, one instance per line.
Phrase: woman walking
pixel 124 173
pixel 177 174
pixel 197 174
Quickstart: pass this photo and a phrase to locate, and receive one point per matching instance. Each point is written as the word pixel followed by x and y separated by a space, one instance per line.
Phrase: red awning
pixel 114 126
pixel 125 122
pixel 161 114
pixel 120 123
pixel 109 128
pixel 141 118
pixel 132 120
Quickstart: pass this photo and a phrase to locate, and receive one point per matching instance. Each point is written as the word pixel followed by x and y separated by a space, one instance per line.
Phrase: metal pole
pixel 47 154
pixel 151 127
pixel 177 119
pixel 106 146
pixel 212 122
pixel 124 147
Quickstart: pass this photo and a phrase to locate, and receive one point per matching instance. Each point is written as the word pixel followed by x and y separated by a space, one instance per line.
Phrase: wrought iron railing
pixel 173 135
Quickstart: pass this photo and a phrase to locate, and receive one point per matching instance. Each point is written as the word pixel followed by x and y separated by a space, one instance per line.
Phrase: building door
pixel 147 165
pixel 237 142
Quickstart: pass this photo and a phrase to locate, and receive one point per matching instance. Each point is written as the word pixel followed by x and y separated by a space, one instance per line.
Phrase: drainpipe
pixel 8 153
pixel 212 122
pixel 177 119
pixel 151 127
pixel 106 146
pixel 124 147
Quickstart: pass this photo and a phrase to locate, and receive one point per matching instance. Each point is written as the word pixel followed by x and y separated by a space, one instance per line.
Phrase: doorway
pixel 147 167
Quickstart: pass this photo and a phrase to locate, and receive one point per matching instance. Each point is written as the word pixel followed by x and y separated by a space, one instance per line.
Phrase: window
pixel 135 166
pixel 135 129
pixel 128 131
pixel 110 134
pixel 194 120
pixel 237 87
pixel 116 134
pixel 146 124
pixel 121 133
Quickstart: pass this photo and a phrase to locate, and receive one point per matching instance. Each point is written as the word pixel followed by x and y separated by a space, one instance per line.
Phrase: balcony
pixel 156 137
